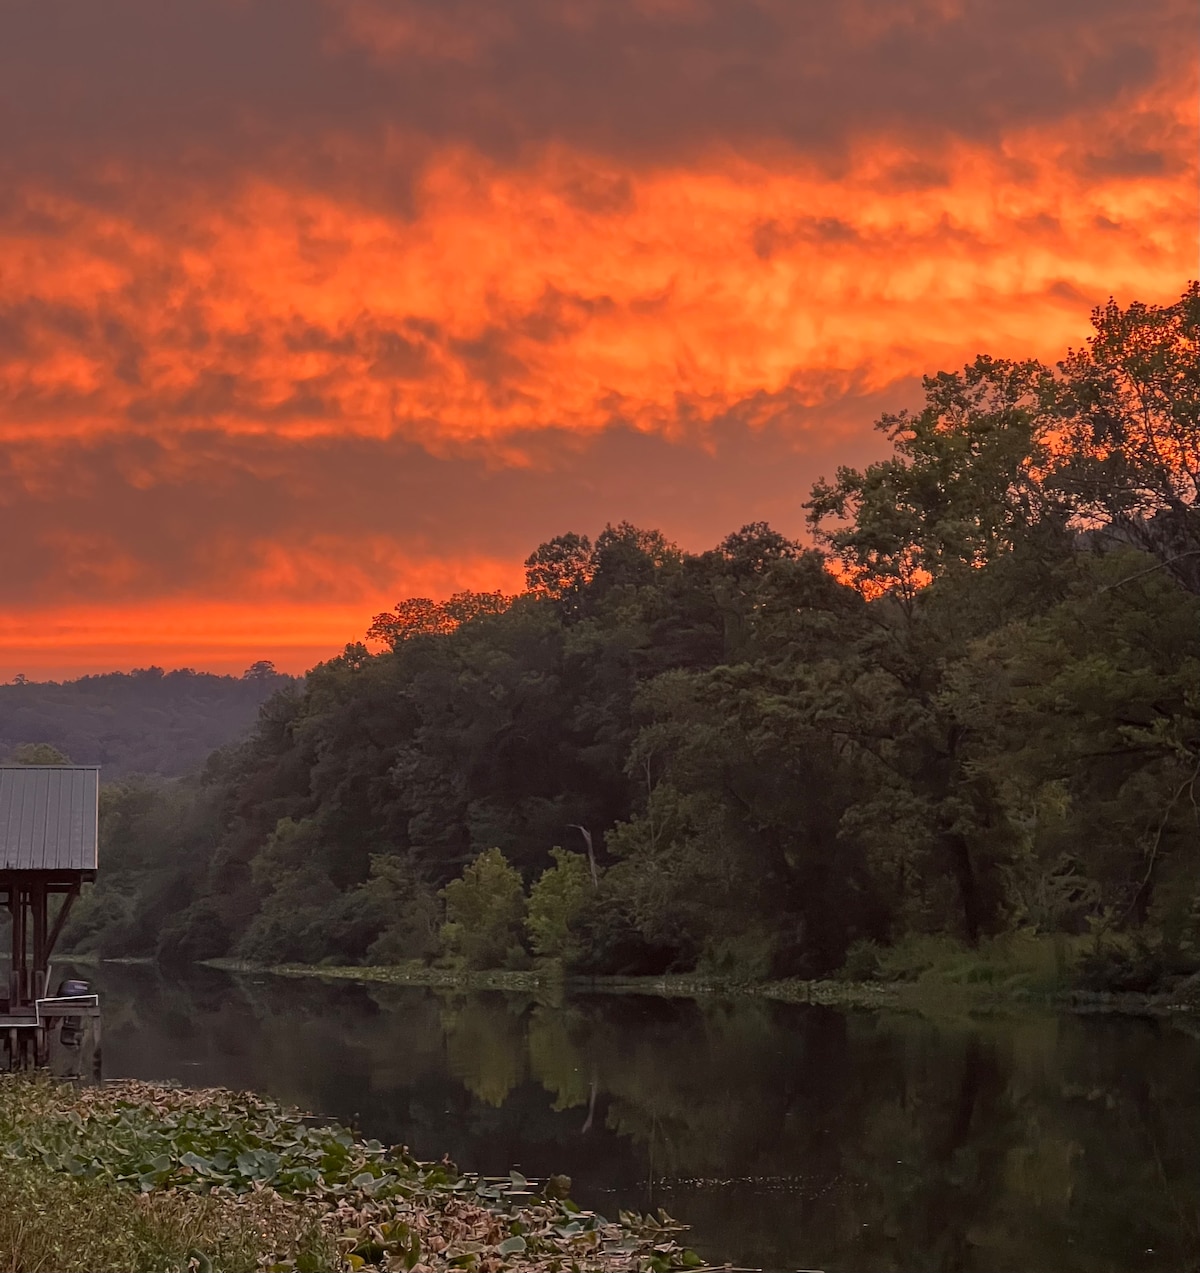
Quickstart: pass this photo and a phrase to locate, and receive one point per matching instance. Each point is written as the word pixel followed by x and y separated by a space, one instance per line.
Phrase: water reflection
pixel 789 1137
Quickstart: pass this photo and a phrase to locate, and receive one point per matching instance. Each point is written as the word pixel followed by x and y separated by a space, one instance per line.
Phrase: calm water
pixel 788 1137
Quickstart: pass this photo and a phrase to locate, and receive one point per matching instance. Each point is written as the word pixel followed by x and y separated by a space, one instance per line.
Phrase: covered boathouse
pixel 49 831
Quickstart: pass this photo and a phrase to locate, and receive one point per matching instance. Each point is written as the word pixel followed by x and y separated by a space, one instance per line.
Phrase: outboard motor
pixel 71 1033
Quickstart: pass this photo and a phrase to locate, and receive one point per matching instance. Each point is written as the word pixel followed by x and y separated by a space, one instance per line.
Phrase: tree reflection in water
pixel 788 1136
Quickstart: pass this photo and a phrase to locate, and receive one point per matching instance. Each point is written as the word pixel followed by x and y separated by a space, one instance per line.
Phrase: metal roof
pixel 48 817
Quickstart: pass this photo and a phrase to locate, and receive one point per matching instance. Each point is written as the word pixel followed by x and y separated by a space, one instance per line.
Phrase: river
pixel 789 1137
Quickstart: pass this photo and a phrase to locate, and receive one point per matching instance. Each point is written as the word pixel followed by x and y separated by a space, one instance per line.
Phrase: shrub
pixel 56 1221
pixel 612 944
pixel 862 962
pixel 411 933
pixel 1016 961
pixel 744 956
pixel 199 933
pixel 485 913
pixel 556 903
pixel 102 918
pixel 1138 966
pixel 408 909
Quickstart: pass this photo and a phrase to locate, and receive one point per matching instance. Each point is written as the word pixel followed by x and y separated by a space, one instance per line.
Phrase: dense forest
pixel 966 715
pixel 143 722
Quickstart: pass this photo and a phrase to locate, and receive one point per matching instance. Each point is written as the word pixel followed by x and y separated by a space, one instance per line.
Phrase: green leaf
pixel 513 1245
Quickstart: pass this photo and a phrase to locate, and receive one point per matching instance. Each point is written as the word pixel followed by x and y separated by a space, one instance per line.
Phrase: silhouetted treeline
pixel 970 716
pixel 148 721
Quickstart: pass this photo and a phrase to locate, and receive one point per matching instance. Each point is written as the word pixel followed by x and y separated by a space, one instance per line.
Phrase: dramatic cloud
pixel 300 541
pixel 306 304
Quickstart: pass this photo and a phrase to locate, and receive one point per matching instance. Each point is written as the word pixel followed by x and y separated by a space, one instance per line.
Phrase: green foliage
pixel 485 915
pixel 423 617
pixel 412 912
pixel 155 836
pixel 1137 964
pixel 37 754
pixel 557 902
pixel 143 722
pixel 297 896
pixel 977 722
pixel 961 489
pixel 198 933
pixel 104 1181
pixel 561 568
pixel 165 1178
pixel 1018 961
pixel 59 1222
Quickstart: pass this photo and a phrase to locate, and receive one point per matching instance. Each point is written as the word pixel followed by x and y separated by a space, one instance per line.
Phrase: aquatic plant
pixel 377 1206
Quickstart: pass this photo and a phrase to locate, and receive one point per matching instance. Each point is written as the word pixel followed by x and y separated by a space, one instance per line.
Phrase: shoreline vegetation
pixel 950 744
pixel 926 994
pixel 133 1175
pixel 928 977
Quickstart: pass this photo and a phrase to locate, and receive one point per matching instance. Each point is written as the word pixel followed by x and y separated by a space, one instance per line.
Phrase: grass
pixel 1019 963
pixel 54 1222
pixel 133 1176
pixel 1090 972
pixel 50 1222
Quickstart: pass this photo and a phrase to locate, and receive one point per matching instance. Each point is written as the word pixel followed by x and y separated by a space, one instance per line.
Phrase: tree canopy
pixel 148 721
pixel 969 712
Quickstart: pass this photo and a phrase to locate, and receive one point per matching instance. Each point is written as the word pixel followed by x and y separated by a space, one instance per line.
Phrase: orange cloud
pixel 508 303
pixel 485 242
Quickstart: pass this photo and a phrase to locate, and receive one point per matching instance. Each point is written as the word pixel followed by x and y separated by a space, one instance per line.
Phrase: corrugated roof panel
pixel 41 810
pixel 29 801
pixel 8 809
pixel 89 805
pixel 51 834
pixel 58 813
pixel 48 817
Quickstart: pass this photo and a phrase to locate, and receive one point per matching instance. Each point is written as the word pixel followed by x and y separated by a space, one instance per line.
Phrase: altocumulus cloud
pixel 307 303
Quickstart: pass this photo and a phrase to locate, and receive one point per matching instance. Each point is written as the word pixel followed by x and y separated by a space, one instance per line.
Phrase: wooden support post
pixel 20 960
pixel 14 963
pixel 25 977
pixel 97 1060
pixel 38 902
pixel 60 920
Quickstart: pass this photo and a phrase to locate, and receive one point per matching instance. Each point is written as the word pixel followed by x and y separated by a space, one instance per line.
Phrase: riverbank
pixel 928 995
pixel 135 1176
pixel 672 986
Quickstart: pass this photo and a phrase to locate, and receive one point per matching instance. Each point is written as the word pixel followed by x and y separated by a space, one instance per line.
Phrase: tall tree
pixel 1128 444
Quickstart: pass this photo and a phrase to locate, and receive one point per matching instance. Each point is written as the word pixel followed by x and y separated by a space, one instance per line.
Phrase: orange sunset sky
pixel 309 305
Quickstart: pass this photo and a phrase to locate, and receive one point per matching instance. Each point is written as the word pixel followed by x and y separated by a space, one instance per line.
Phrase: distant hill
pixel 148 721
